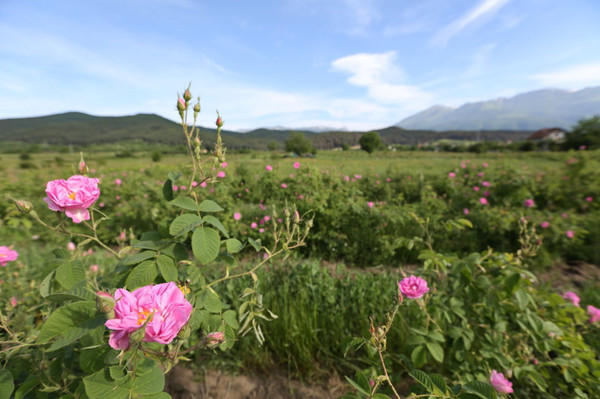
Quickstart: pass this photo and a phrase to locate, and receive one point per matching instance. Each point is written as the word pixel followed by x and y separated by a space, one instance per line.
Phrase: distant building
pixel 548 134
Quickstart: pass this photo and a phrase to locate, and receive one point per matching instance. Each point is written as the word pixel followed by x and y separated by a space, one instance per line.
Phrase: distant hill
pixel 527 111
pixel 75 128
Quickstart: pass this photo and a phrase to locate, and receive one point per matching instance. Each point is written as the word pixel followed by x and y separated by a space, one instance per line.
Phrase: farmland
pixel 479 228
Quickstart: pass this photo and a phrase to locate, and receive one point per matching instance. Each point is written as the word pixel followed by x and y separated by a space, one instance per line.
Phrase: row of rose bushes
pixel 564 207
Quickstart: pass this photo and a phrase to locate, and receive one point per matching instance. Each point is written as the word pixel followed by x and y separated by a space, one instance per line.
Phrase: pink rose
pixel 7 255
pixel 570 233
pixel 283 185
pixel 237 216
pixel 13 301
pixel 224 164
pixel 476 188
pixel 370 204
pixel 215 338
pixel 486 184
pixel 452 175
pixel 162 308
pixel 94 268
pixel 253 225
pixel 118 182
pixel 545 224
pixel 572 297
pixel 500 383
pixel 594 313
pixel 466 211
pixel 72 196
pixel 296 165
pixel 483 201
pixel 269 168
pixel 589 199
pixel 528 203
pixel 413 287
pixel 221 174
pixel 71 246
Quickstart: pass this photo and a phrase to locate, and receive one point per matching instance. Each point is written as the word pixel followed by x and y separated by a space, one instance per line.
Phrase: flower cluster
pixel 161 310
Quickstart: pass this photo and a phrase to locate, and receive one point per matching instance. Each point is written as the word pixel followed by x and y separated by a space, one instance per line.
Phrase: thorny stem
pixel 387 377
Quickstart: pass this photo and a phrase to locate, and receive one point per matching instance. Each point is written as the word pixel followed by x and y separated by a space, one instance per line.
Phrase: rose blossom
pixel 452 175
pixel 221 174
pixel 72 196
pixel 413 287
pixel 296 165
pixel 545 224
pixel 570 233
pixel 571 297
pixel 269 168
pixel 500 383
pixel 370 204
pixel 594 313
pixel 528 203
pixel 483 201
pixel 161 308
pixel 7 255
pixel 237 216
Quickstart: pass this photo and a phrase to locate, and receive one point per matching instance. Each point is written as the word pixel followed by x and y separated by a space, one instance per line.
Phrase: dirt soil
pixel 183 383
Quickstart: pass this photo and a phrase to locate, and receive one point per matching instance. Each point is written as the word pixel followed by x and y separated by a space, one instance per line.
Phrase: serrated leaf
pixel 70 273
pixel 152 245
pixel 209 206
pixel 167 190
pixel 419 356
pixel 142 275
pixel 211 302
pixel 7 384
pixel 184 203
pixel 184 223
pixel 231 319
pixel 436 351
pixel 137 258
pixel 357 386
pixel 69 323
pixel 439 382
pixel 234 245
pixel 61 253
pixel 436 336
pixel 255 243
pixel 210 219
pixel 205 244
pixel 423 379
pixel 167 268
pixel 149 380
pixel 46 284
pixel 481 389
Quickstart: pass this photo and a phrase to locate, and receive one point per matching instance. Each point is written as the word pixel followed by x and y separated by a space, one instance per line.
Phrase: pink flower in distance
pixel 572 297
pixel 528 203
pixel 118 182
pixel 296 165
pixel 269 168
pixel 589 199
pixel 500 383
pixel 570 233
pixel 283 185
pixel 545 224
pixel 483 201
pixel 452 175
pixel 162 308
pixel 71 246
pixel 7 255
pixel 413 287
pixel 370 204
pixel 253 225
pixel 594 313
pixel 466 211
pixel 485 165
pixel 13 301
pixel 203 184
pixel 94 268
pixel 476 188
pixel 486 184
pixel 237 216
pixel 224 164
pixel 72 196
pixel 221 174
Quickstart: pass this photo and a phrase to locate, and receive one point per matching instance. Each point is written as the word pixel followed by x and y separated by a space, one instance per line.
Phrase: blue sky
pixel 358 64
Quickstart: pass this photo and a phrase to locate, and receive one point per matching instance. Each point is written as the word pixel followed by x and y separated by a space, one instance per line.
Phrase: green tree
pixel 272 146
pixel 585 133
pixel 298 143
pixel 370 142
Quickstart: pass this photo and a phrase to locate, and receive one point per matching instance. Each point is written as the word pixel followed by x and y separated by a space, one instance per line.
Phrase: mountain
pixel 527 111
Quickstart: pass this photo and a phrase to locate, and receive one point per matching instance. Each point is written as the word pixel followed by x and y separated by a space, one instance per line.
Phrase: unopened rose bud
pixel 197 107
pixel 215 338
pixel 24 206
pixel 219 122
pixel 187 96
pixel 106 304
pixel 296 217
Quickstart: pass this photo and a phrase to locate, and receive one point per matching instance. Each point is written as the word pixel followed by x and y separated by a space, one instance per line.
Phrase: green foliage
pixel 298 142
pixel 370 142
pixel 585 133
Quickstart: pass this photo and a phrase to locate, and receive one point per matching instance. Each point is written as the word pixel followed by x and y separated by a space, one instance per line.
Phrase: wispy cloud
pixel 576 75
pixel 484 9
pixel 480 60
pixel 382 78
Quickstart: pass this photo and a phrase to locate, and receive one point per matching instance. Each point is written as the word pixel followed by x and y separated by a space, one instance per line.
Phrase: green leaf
pixel 7 384
pixel 149 380
pixel 423 379
pixel 79 292
pixel 205 244
pixel 234 245
pixel 185 203
pixel 439 382
pixel 255 243
pixel 210 219
pixel 230 318
pixel 436 351
pixel 142 275
pixel 46 284
pixel 167 190
pixel 167 268
pixel 148 244
pixel 380 396
pixel 481 389
pixel 184 223
pixel 419 356
pixel 436 336
pixel 357 386
pixel 211 302
pixel 30 382
pixel 61 253
pixel 209 206
pixel 137 258
pixel 69 323
pixel 70 273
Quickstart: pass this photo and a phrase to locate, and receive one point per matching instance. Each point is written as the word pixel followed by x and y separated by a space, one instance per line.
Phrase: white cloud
pixel 576 75
pixel 485 9
pixel 480 60
pixel 380 75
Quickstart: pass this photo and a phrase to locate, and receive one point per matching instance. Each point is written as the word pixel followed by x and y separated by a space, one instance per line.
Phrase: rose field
pixel 395 274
